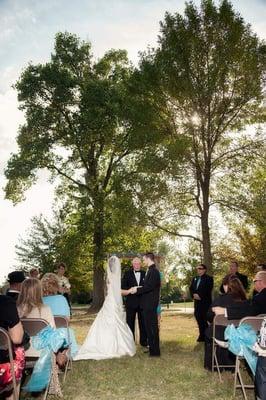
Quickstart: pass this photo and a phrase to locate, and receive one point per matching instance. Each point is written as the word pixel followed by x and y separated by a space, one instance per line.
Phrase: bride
pixel 109 335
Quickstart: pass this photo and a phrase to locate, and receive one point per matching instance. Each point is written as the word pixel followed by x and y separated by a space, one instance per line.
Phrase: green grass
pixel 177 375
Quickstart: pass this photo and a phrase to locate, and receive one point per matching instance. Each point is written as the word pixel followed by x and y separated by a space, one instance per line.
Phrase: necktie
pixel 198 282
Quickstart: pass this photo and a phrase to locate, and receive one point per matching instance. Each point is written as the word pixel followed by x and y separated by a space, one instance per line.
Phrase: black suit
pixel 204 290
pixel 132 304
pixel 257 306
pixel 12 293
pixel 149 299
pixel 243 279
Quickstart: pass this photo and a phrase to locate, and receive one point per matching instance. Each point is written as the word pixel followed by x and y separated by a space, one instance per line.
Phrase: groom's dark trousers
pixel 149 299
pixel 132 304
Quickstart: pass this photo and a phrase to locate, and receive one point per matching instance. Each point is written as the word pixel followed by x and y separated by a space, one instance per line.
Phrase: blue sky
pixel 27 34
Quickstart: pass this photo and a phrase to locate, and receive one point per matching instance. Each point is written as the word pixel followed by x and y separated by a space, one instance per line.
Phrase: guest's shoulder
pixel 6 300
pixel 45 308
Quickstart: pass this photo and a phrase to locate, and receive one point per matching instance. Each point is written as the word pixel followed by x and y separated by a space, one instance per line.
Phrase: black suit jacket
pixel 255 307
pixel 204 290
pixel 128 281
pixel 150 291
pixel 225 300
pixel 12 294
pixel 243 279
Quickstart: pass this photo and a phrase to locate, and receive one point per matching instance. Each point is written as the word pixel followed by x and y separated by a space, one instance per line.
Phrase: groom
pixel 150 293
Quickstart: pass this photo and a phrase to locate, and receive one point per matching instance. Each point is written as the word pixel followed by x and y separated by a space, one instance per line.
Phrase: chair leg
pixel 236 373
pixel 66 369
pixel 46 392
pixel 242 385
pixel 217 365
pixel 213 352
pixel 239 376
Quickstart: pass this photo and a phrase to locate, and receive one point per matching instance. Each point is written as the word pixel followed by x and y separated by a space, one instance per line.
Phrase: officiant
pixel 134 277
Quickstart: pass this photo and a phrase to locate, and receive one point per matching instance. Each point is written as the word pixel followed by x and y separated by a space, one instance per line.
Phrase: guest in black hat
pixel 15 280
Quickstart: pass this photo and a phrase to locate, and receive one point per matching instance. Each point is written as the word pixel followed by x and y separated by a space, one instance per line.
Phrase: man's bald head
pixel 260 281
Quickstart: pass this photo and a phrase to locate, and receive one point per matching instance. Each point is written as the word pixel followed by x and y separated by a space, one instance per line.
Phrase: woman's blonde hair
pixel 30 296
pixel 50 284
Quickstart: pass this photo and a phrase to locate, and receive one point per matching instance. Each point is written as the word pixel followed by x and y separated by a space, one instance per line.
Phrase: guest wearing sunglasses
pixel 201 292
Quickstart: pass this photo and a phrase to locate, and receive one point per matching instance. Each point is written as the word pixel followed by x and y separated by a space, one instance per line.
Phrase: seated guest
pixel 57 302
pixel 9 320
pixel 255 307
pixel 15 280
pixel 234 293
pixel 233 270
pixel 260 267
pixel 30 305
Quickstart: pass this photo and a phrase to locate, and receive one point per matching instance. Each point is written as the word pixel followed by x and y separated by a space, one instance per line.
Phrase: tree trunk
pixel 206 242
pixel 98 255
pixel 205 229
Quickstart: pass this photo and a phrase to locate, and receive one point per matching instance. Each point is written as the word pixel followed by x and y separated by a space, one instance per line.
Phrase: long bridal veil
pixel 109 335
pixel 114 279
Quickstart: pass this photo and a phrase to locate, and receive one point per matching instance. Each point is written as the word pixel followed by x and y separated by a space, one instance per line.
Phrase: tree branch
pixel 80 184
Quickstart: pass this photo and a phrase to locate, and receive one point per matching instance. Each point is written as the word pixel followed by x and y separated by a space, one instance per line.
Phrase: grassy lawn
pixel 177 375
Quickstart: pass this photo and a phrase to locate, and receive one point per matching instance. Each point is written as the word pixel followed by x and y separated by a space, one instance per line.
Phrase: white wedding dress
pixel 109 335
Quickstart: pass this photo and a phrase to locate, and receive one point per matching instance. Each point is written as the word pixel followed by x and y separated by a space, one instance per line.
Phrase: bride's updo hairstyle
pixel 112 263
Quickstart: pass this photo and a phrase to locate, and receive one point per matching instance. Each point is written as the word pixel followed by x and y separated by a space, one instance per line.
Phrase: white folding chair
pixel 6 344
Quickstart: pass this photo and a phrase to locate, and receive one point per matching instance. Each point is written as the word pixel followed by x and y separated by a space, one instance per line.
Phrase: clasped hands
pixel 133 290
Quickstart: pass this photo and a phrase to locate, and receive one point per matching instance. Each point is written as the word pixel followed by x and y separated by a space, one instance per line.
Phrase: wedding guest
pixel 260 267
pixel 233 270
pixel 57 302
pixel 9 320
pixel 64 284
pixel 255 307
pixel 30 305
pixel 134 277
pixel 201 291
pixel 15 280
pixel 58 305
pixel 234 293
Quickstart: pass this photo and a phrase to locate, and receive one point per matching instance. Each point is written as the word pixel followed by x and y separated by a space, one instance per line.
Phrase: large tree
pixel 206 77
pixel 77 126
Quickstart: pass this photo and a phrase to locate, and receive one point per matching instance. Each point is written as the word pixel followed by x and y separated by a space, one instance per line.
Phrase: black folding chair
pixel 6 344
